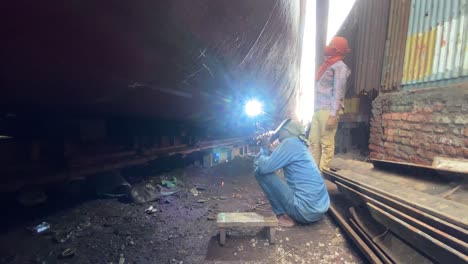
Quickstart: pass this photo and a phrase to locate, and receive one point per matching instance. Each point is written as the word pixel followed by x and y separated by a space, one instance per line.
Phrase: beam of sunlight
pixel 305 107
pixel 337 13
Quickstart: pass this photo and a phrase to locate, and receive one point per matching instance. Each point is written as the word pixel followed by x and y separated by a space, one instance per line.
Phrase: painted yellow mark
pixel 419 56
pixel 431 51
pixel 408 67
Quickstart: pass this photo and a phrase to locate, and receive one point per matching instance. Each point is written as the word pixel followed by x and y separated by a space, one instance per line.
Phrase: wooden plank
pixel 377 162
pixel 449 228
pixel 453 242
pixel 366 251
pixel 430 246
pixel 449 211
pixel 250 219
pixel 459 165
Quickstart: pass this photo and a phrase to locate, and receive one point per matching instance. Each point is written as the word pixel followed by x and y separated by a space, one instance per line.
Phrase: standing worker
pixel 329 102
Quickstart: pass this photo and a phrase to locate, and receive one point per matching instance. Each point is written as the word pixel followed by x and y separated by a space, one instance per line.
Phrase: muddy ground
pixel 182 230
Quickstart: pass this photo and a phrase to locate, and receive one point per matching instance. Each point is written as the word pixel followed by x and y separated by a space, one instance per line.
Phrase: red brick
pixel 419 160
pixel 465 131
pixel 389 138
pixel 416 118
pixel 452 151
pixel 397 139
pixel 429 155
pixel 376 155
pixel 466 142
pixel 405 133
pixel 404 141
pixel 438 106
pixel 437 148
pixel 396 116
pixel 388 145
pixel 440 129
pixel 414 143
pixel 405 125
pixel 387 116
pixel 376 130
pixel 427 109
pixel 426 128
pixel 375 136
pixel 404 116
pixel 391 132
pixel 376 148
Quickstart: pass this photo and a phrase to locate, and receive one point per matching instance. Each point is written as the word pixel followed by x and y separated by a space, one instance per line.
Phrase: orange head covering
pixel 334 52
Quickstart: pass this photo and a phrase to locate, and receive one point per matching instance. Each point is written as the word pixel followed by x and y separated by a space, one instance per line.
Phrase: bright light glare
pixel 253 108
pixel 337 13
pixel 305 106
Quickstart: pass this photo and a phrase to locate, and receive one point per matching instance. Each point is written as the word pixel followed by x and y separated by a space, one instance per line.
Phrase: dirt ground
pixel 182 230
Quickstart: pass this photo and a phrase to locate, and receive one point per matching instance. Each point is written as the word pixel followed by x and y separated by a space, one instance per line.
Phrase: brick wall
pixel 418 125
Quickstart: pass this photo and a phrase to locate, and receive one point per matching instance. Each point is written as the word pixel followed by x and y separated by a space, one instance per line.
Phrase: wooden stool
pixel 246 220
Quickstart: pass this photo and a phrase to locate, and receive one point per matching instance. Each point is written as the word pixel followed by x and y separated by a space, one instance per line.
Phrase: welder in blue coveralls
pixel 302 197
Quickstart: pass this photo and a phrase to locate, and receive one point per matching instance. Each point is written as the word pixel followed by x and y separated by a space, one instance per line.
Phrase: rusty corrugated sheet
pixel 436 46
pixel 366 30
pixel 395 46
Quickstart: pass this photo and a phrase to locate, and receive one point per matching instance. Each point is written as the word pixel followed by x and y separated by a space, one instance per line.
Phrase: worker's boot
pixel 285 221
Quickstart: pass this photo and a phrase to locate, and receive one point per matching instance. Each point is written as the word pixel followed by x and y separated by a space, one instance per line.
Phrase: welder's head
pixel 288 128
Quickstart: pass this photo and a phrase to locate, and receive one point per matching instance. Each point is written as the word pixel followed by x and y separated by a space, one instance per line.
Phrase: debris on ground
pixel 194 191
pixel 151 210
pixel 68 253
pixel 179 226
pixel 44 226
pixel 169 184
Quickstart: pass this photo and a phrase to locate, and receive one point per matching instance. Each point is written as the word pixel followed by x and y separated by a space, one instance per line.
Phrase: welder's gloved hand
pixel 264 139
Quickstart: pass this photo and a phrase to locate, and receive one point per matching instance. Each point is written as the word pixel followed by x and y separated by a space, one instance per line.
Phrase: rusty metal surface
pixel 451 241
pixel 366 27
pixel 171 59
pixel 388 246
pixel 407 207
pixel 368 253
pixel 431 247
pixel 369 242
pixel 92 163
pixel 436 41
pixel 395 46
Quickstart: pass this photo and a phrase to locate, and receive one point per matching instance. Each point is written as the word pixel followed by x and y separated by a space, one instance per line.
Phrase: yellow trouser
pixel 322 140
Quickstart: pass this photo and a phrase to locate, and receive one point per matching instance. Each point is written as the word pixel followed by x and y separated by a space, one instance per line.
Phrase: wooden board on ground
pixel 245 220
pixel 459 165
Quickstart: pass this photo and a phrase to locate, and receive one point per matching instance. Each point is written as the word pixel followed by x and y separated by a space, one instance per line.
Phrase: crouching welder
pixel 303 197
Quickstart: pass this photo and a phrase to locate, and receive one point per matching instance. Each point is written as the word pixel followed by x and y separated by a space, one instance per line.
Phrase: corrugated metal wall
pixel 372 20
pixel 366 31
pixel 436 44
pixel 431 36
pixel 395 46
